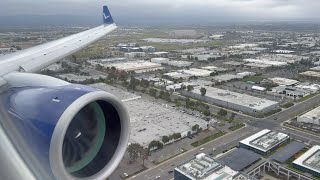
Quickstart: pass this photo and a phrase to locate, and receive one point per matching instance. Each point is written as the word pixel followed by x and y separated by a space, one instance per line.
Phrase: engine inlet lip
pixel 56 144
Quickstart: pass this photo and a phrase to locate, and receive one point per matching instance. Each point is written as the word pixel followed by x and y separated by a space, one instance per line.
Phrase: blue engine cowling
pixel 66 132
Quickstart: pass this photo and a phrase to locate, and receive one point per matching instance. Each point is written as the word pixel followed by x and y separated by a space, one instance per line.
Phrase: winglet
pixel 107 18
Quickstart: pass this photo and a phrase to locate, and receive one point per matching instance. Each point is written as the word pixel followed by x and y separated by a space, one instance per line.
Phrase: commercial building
pixel 196 72
pixel 203 167
pixel 310 87
pixel 265 63
pixel 180 63
pixel 312 117
pixel 178 87
pixel 292 92
pixel 178 75
pixel 136 66
pixel 160 60
pixel 264 142
pixel 309 162
pixel 311 74
pixel 284 81
pixel 133 55
pixel 240 102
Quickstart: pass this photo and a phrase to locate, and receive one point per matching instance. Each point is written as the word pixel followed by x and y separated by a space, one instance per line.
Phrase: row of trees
pixel 175 136
pixel 137 151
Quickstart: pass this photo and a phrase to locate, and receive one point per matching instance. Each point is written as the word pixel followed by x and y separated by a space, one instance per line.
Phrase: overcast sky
pixel 154 10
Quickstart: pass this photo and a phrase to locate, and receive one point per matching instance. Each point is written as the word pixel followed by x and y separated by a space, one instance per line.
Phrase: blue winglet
pixel 107 18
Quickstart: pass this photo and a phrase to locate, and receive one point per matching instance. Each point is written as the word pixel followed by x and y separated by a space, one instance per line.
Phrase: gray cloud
pixel 171 10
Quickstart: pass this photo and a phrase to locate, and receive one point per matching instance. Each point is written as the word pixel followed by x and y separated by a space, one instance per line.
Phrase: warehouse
pixel 284 81
pixel 309 162
pixel 311 74
pixel 196 72
pixel 160 60
pixel 264 142
pixel 136 66
pixel 240 102
pixel 311 117
pixel 292 92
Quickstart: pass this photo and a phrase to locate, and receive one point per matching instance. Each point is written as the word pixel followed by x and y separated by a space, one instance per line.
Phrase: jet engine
pixel 63 130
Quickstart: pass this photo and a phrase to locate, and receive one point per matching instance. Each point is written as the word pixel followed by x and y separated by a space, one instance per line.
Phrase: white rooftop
pixel 284 81
pixel 310 159
pixel 196 72
pixel 265 140
pixel 236 98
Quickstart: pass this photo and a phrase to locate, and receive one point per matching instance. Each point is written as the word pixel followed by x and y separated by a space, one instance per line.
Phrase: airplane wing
pixel 51 129
pixel 36 58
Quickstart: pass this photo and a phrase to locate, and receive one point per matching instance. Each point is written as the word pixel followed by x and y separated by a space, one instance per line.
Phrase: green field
pixel 208 139
pixel 237 126
pixel 255 79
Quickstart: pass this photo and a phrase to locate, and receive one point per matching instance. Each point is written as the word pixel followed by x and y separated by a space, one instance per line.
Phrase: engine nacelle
pixel 65 131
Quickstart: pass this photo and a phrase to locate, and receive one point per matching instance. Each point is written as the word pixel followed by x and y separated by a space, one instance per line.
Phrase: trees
pixel 144 155
pixel 183 87
pixel 195 127
pixel 165 139
pixel 99 67
pixel 153 92
pixel 222 112
pixel 155 145
pixel 203 91
pixel 134 151
pixel 189 88
pixel 176 136
pixel 206 113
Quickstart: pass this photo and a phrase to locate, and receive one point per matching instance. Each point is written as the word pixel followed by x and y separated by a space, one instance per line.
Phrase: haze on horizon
pixel 162 11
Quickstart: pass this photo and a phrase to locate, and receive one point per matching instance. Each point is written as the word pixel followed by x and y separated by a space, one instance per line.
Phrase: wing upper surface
pixel 36 58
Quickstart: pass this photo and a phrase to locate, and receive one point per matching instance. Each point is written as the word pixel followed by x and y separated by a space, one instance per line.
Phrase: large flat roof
pixel 284 81
pixel 240 159
pixel 206 168
pixel 288 151
pixel 265 140
pixel 236 98
pixel 310 159
pixel 312 115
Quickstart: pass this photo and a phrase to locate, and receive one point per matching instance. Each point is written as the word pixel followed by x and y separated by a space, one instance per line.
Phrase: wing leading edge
pixel 36 58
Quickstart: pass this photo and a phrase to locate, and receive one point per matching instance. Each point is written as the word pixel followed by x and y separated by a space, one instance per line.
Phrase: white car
pixel 201 149
pixel 158 177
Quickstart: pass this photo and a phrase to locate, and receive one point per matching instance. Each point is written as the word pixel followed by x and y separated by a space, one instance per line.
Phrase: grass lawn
pixel 255 79
pixel 208 139
pixel 237 126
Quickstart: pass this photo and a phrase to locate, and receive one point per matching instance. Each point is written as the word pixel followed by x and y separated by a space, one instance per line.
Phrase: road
pixel 230 140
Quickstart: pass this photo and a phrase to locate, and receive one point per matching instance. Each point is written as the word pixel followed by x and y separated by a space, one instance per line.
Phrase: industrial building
pixel 240 102
pixel 292 92
pixel 284 81
pixel 311 74
pixel 309 162
pixel 264 63
pixel 311 117
pixel 180 63
pixel 203 167
pixel 160 60
pixel 136 66
pixel 264 142
pixel 133 55
pixel 178 75
pixel 196 72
